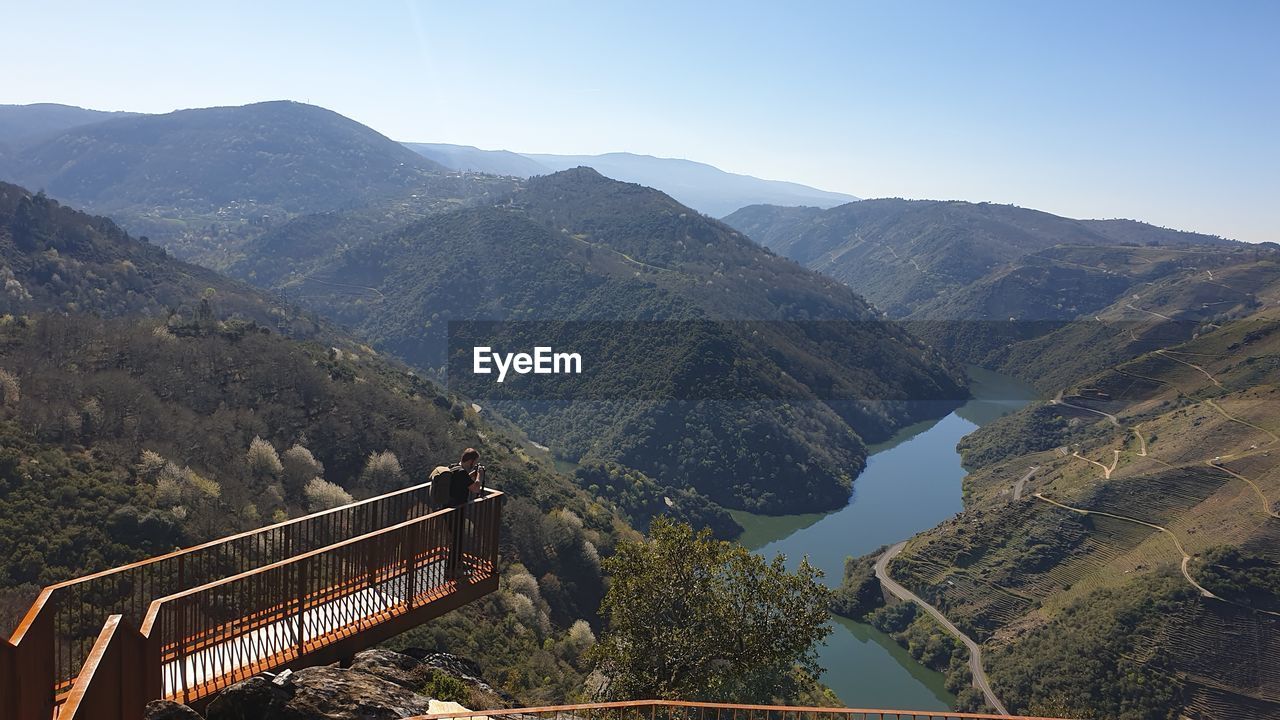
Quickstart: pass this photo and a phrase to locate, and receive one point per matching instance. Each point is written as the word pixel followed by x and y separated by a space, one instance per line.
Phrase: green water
pixel 910 484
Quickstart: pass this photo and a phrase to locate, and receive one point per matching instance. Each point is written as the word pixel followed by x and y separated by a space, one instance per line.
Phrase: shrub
pixel 263 459
pixel 324 495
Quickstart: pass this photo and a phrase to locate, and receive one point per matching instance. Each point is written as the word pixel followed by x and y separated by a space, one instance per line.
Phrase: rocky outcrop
pixel 168 710
pixel 379 685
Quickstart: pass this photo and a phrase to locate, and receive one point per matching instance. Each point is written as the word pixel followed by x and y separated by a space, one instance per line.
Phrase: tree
pixel 324 495
pixel 299 467
pixel 263 460
pixel 693 618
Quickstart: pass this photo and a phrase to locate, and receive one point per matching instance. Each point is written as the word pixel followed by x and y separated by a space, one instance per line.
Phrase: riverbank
pixel 911 483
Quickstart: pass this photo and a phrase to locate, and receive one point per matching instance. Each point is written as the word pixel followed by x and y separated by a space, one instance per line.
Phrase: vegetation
pixel 760 401
pixel 859 593
pixel 933 646
pixel 1090 661
pixel 641 499
pixel 693 618
pixel 907 255
pixel 1241 576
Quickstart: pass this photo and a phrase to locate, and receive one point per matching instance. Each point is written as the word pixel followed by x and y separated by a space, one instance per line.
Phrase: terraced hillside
pixel 1135 574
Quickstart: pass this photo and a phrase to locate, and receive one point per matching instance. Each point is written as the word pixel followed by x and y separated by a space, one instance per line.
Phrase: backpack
pixel 441 478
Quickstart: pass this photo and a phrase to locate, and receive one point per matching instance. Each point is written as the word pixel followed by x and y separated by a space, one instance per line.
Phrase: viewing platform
pixel 185 625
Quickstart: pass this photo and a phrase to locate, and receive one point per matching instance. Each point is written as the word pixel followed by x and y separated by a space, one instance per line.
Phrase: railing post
pixel 33 662
pixel 302 604
pixel 409 552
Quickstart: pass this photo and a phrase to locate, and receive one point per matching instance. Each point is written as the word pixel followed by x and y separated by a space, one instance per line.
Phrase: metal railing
pixel 55 637
pixel 680 710
pixel 212 636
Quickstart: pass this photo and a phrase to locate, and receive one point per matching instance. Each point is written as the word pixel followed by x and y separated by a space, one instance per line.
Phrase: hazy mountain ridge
pixel 20 125
pixel 700 186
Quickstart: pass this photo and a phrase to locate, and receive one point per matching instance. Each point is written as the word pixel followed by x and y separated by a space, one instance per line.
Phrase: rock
pixel 347 694
pixel 395 667
pixel 169 710
pixel 254 699
pixel 452 664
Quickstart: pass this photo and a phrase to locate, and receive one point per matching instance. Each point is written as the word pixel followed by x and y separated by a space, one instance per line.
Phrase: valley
pixel 792 377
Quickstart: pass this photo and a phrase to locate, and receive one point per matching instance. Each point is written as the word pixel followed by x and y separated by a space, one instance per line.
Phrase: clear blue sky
pixel 1162 111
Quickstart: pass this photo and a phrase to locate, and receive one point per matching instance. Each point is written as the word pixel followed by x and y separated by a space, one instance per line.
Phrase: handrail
pixel 55 637
pixel 650 710
pixel 103 687
pixel 211 636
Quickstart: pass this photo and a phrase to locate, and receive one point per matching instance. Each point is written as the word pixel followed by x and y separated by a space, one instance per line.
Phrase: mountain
pixel 156 405
pixel 23 124
pixel 472 159
pixel 56 259
pixel 702 187
pixel 273 157
pixel 761 399
pixel 1133 521
pixel 905 254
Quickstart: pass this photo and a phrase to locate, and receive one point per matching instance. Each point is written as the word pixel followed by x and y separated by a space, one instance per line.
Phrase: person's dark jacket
pixel 459 481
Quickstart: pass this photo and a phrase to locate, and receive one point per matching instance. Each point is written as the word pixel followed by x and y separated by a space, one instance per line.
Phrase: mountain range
pixel 707 189
pixel 1129 517
pixel 576 246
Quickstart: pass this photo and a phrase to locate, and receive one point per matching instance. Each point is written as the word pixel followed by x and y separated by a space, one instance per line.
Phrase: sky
pixel 1167 112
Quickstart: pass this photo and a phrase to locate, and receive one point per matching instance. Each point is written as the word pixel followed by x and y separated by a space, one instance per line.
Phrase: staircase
pixel 183 626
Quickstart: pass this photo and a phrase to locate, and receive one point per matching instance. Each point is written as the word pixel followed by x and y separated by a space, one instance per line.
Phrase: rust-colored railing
pixel 55 638
pixel 107 685
pixel 680 710
pixel 316 607
pixel 218 634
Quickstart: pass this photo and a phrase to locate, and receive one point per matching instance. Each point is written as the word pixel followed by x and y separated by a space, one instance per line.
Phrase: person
pixel 465 479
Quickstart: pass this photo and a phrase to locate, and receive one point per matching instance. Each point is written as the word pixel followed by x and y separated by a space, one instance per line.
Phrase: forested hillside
pixel 809 384
pixel 191 414
pixel 904 254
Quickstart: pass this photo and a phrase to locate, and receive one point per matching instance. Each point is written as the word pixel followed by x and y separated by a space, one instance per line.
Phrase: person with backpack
pixel 461 482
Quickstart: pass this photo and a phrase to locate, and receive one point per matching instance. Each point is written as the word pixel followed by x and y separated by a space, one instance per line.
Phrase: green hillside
pixel 156 405
pixel 575 246
pixel 1146 539
pixel 903 255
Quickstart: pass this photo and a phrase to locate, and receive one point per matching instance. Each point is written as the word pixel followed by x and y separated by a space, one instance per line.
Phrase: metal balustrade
pixel 206 610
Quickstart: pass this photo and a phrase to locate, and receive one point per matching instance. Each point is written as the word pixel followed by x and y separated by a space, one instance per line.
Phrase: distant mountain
pixel 472 159
pixel 702 187
pixel 23 124
pixel 906 254
pixel 279 157
pixel 814 377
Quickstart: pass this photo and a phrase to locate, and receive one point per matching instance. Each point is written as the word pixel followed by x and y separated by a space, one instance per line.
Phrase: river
pixel 911 483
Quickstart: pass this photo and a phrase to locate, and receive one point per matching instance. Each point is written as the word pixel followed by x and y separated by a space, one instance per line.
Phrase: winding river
pixel 910 484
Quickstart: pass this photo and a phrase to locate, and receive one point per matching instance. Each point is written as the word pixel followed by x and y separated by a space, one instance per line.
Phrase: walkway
pixel 183 626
